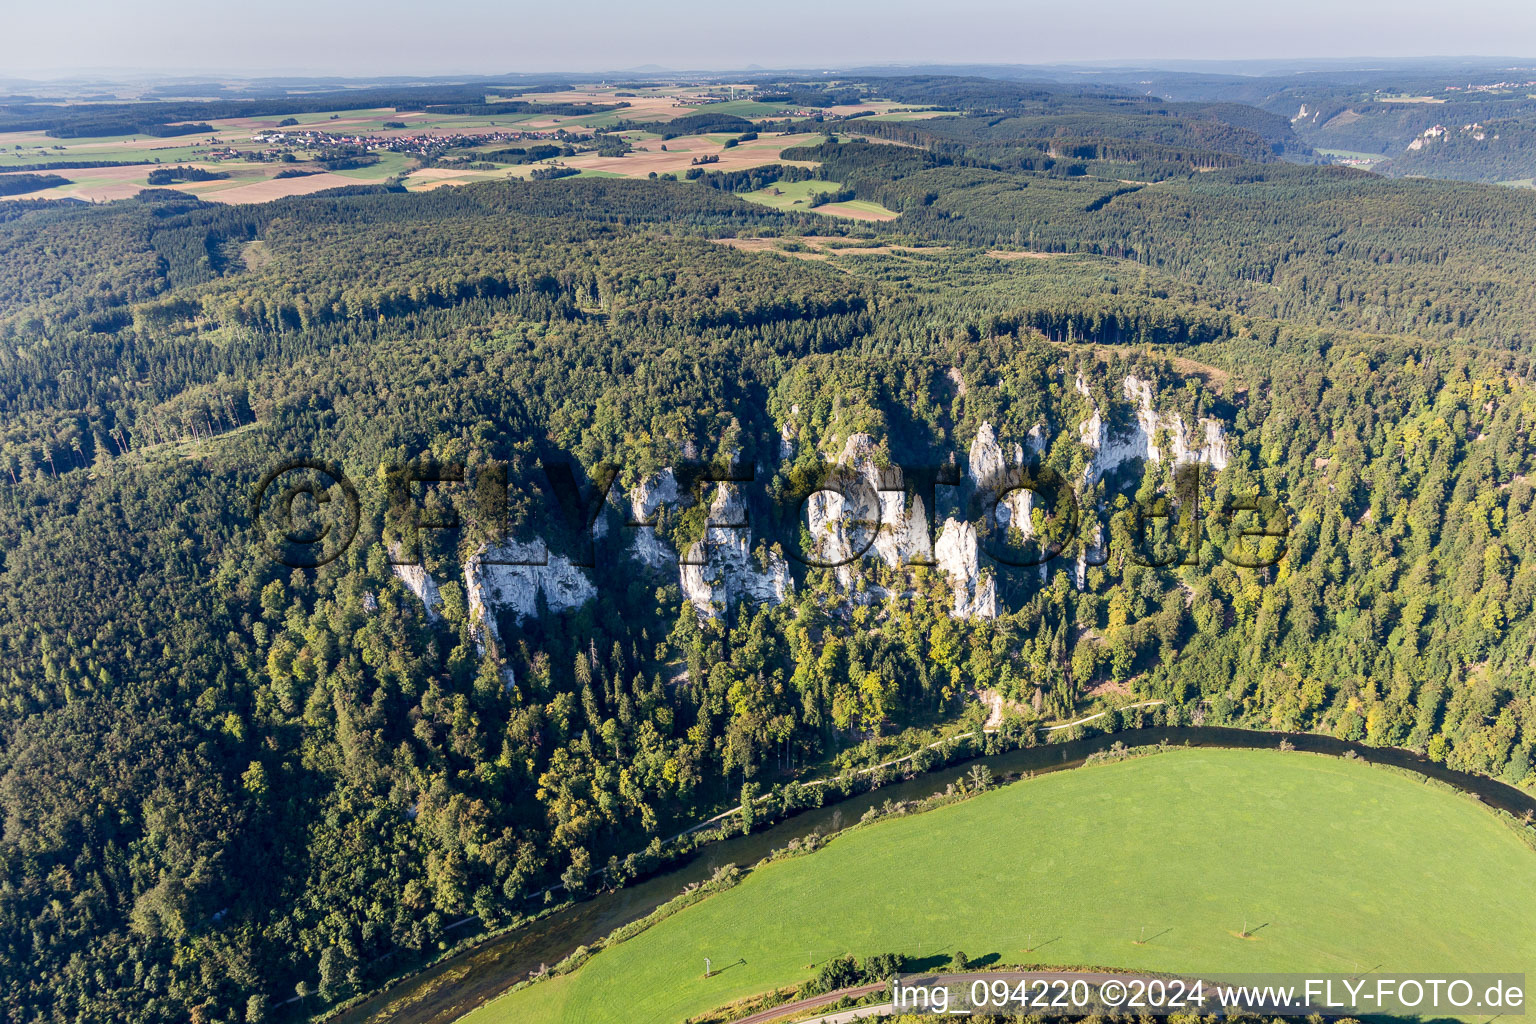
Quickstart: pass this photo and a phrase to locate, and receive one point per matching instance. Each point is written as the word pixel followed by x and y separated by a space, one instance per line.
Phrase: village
pixel 426 145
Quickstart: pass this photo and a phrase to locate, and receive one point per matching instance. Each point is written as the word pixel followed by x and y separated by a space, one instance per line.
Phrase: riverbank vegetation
pixel 1317 888
pixel 237 791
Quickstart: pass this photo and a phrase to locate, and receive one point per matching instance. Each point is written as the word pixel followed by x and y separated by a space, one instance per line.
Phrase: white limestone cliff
pixel 988 472
pixel 512 576
pixel 839 520
pixel 1206 444
pixel 1111 449
pixel 975 591
pixel 420 582
pixel 873 499
pixel 1038 439
pixel 986 465
pixel 720 569
pixel 647 498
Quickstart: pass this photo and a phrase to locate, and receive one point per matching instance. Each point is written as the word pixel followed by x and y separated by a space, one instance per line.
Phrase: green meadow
pixel 1155 863
pixel 748 109
pixel 864 205
pixel 792 195
pixel 388 164
pixel 913 115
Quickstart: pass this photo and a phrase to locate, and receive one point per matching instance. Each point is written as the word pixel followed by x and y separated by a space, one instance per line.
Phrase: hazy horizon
pixel 344 38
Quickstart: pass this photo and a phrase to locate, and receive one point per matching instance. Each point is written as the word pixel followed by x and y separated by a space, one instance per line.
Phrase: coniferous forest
pixel 232 790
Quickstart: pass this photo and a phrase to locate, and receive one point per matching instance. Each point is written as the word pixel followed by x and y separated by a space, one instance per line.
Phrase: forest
pixel 235 791
pixel 65 120
pixel 1344 110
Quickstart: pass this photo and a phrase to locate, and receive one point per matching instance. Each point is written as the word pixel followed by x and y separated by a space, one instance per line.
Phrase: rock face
pixel 986 465
pixel 1206 444
pixel 720 569
pixel 988 470
pixel 872 501
pixel 1037 438
pixel 420 582
pixel 853 516
pixel 1112 450
pixel 648 496
pixel 509 577
pixel 975 592
pixel 866 515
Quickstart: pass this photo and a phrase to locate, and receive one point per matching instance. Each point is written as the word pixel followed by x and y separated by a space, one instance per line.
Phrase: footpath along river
pixel 446 991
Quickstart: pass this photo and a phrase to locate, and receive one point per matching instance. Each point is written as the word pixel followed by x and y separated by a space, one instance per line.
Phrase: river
pixel 447 990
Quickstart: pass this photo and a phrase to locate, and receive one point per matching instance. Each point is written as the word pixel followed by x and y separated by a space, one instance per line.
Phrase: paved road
pixel 1093 978
pixel 857 1013
pixel 801 1005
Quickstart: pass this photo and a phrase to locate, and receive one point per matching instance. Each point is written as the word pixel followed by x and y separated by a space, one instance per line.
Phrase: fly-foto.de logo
pixel 306 513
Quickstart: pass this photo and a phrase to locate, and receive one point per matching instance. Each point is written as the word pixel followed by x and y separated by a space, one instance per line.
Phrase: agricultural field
pixel 898 114
pixel 858 209
pixel 1349 154
pixel 247 182
pixel 233 144
pixel 648 157
pixel 746 108
pixel 1160 863
pixel 795 196
pixel 790 195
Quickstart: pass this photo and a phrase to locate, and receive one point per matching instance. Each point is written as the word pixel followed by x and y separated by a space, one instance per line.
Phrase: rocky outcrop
pixel 872 499
pixel 867 499
pixel 644 502
pixel 1038 439
pixel 986 465
pixel 865 513
pixel 975 591
pixel 513 577
pixel 1205 444
pixel 720 570
pixel 717 571
pixel 844 517
pixel 1210 445
pixel 420 582
pixel 988 470
pixel 1112 449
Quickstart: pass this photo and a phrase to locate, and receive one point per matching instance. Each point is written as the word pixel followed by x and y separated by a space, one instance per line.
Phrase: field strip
pixel 1318 832
pixel 906 757
pixel 555 887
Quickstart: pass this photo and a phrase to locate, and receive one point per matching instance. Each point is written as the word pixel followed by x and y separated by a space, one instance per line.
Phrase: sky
pixel 372 37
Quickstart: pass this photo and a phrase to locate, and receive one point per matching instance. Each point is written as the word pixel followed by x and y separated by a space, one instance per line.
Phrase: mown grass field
pixel 1334 866
pixel 795 196
pixel 792 195
pixel 858 209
